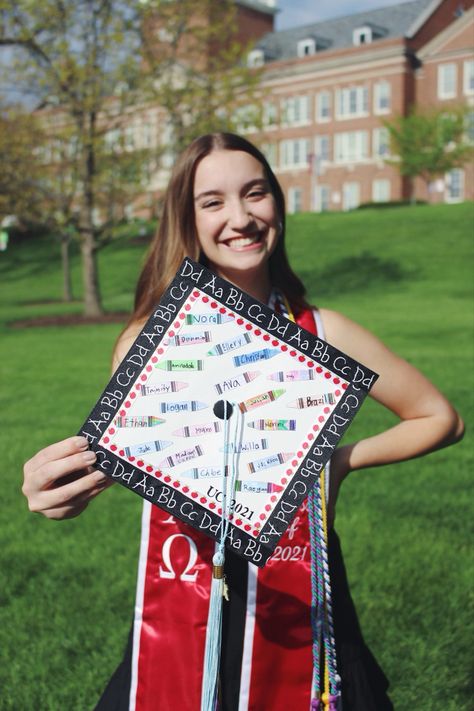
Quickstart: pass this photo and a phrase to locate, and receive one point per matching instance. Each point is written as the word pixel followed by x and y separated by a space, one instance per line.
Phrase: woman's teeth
pixel 243 241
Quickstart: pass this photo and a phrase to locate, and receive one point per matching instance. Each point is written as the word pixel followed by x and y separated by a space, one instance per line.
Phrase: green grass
pixel 66 589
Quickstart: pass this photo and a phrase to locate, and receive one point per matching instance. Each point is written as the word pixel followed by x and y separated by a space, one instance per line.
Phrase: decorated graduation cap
pixel 224 412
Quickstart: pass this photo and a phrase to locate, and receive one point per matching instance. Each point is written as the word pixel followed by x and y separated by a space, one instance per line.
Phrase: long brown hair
pixel 176 237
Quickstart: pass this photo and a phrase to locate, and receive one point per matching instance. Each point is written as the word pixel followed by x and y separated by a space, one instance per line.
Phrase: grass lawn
pixel 67 589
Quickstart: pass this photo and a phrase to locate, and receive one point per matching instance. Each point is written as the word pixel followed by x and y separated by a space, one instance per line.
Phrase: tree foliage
pixel 96 69
pixel 195 68
pixel 20 134
pixel 431 143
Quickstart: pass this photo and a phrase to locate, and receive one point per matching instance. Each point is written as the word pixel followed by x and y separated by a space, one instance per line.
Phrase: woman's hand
pixel 60 480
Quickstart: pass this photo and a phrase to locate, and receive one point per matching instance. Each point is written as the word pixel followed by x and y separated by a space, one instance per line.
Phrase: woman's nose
pixel 239 216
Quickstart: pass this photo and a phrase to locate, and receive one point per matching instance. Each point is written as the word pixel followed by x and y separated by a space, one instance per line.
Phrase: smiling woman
pixel 225 208
pixel 236 219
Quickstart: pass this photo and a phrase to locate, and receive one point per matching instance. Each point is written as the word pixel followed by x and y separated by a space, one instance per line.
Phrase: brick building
pixel 328 86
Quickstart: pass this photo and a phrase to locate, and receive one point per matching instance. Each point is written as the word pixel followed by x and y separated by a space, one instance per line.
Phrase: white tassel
pixel 214 635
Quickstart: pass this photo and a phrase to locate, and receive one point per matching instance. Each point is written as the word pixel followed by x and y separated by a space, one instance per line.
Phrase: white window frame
pixel 443 70
pixel 381 190
pixel 294 153
pixel 351 147
pixel 350 204
pixel 378 134
pixel 382 92
pixel 306 47
pixel 256 58
pixel 318 198
pixel 345 98
pixel 468 77
pixel 448 183
pixel 270 115
pixel 295 199
pixel 270 151
pixel 323 156
pixel 326 106
pixel 362 35
pixel 295 110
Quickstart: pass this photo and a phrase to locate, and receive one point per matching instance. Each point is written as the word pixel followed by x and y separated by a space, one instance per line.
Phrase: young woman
pixel 225 208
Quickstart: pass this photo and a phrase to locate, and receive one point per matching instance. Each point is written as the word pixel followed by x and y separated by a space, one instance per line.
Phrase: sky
pixel 301 12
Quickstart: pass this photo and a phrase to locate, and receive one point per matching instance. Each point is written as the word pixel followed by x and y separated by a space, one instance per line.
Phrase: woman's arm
pixel 60 480
pixel 427 420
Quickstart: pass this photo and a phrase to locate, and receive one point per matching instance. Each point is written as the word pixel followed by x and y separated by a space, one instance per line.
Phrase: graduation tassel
pixel 212 653
pixel 214 635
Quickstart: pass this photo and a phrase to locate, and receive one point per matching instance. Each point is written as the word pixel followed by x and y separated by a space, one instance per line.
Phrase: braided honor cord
pixel 321 604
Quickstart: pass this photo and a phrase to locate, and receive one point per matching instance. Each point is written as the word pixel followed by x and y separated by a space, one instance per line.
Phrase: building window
pixel 322 148
pixel 294 153
pixel 295 200
pixel 447 81
pixel 380 142
pixel 352 102
pixel 382 97
pixel 381 190
pixel 468 77
pixel 350 196
pixel 306 47
pixel 469 126
pixel 454 181
pixel 270 152
pixel 322 196
pixel 362 35
pixel 323 106
pixel 295 111
pixel 245 118
pixel 256 58
pixel 270 115
pixel 351 147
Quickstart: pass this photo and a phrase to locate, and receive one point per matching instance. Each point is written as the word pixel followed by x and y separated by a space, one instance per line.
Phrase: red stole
pixel 172 607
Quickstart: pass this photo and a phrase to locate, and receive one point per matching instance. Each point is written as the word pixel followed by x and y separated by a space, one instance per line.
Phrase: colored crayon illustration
pixel 179 457
pixel 236 381
pixel 291 376
pixel 259 400
pixel 257 487
pixel 302 402
pixel 207 319
pixel 190 339
pixel 139 421
pixel 162 388
pixel 184 406
pixel 245 446
pixel 147 447
pixel 263 354
pixel 272 460
pixel 273 425
pixel 198 430
pixel 204 472
pixel 230 345
pixel 180 365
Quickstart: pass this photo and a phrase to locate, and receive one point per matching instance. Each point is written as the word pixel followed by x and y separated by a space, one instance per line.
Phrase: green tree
pixel 20 133
pixel 95 67
pixel 72 56
pixel 429 144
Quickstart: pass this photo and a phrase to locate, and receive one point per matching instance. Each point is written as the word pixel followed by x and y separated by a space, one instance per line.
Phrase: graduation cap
pixel 222 403
pixel 224 412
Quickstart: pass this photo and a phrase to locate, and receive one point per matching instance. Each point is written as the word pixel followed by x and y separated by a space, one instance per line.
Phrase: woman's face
pixel 236 217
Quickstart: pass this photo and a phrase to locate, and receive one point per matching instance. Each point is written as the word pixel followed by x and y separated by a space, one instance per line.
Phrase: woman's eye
pixel 211 203
pixel 257 193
